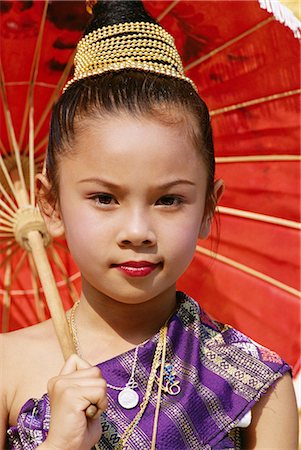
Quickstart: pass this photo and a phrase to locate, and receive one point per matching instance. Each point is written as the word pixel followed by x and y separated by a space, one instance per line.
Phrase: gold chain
pixel 159 354
pixel 134 45
pixel 71 321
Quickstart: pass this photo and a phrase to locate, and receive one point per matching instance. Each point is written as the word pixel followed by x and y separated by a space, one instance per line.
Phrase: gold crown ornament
pixel 135 45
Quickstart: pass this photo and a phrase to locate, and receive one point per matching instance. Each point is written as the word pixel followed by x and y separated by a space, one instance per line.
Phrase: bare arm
pixel 274 419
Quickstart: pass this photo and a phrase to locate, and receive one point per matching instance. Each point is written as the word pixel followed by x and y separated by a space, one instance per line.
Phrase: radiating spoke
pixel 256 158
pixel 7 208
pixel 62 246
pixel 255 101
pixel 10 243
pixel 13 250
pixel 7 223
pixel 259 217
pixel 31 157
pixel 41 145
pixel 2 148
pixel 249 270
pixel 167 10
pixel 11 219
pixel 7 229
pixel 33 73
pixel 6 295
pixel 12 138
pixel 8 198
pixel 19 266
pixel 227 44
pixel 7 176
pixel 55 93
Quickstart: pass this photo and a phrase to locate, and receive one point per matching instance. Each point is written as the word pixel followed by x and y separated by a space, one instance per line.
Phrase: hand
pixel 78 386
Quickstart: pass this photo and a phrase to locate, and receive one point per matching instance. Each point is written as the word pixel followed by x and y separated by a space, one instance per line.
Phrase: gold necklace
pixel 127 397
pixel 160 351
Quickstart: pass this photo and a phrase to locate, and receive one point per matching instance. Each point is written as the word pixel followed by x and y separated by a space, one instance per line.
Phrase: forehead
pixel 126 145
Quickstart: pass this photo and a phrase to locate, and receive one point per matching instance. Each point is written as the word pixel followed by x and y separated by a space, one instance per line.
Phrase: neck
pixel 114 320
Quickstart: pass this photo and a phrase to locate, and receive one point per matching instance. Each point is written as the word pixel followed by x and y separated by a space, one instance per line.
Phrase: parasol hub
pixel 28 218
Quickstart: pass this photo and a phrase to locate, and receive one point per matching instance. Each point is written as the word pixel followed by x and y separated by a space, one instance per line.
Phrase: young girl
pixel 130 182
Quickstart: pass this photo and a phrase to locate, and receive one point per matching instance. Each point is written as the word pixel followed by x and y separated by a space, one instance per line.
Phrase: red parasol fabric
pixel 246 66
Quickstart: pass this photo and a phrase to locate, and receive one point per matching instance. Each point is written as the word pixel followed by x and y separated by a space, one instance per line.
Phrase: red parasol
pixel 246 66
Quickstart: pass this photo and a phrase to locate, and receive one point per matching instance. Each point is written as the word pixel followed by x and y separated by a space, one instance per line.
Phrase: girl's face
pixel 131 201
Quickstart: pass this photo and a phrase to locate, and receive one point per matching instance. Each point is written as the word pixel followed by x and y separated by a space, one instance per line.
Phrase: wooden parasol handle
pixel 35 241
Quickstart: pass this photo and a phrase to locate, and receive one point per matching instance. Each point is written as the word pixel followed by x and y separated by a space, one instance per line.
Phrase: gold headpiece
pixel 136 45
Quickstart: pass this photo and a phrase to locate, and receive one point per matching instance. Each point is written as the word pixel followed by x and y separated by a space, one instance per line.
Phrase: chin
pixel 134 297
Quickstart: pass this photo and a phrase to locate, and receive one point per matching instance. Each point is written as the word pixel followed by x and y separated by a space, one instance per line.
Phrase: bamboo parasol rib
pixel 255 101
pixel 249 270
pixel 2 148
pixel 227 44
pixel 7 298
pixel 167 10
pixel 256 158
pixel 55 94
pixel 259 217
pixel 24 217
pixel 33 73
pixel 19 266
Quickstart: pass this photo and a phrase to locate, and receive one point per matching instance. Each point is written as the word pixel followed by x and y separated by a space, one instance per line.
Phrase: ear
pixel 217 194
pixel 49 207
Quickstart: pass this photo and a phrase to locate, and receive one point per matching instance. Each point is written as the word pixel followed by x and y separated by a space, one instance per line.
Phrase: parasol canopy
pixel 245 59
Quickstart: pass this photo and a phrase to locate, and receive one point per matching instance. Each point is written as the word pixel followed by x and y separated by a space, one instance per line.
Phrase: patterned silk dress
pixel 216 375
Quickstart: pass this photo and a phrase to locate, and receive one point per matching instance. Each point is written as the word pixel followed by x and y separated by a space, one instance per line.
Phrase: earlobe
pixel 49 207
pixel 218 191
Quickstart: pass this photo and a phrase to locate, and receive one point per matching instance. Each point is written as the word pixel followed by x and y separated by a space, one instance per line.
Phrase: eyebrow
pixel 110 184
pixel 99 181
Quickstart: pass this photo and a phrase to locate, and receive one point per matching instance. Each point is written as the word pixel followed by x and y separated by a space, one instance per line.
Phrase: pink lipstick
pixel 136 268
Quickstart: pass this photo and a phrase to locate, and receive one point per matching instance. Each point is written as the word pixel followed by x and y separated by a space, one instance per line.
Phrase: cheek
pixel 184 239
pixel 80 233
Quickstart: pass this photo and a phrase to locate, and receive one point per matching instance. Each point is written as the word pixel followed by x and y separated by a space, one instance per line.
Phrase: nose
pixel 136 230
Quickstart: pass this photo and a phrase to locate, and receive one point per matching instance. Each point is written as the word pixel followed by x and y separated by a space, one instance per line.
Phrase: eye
pixel 169 200
pixel 104 199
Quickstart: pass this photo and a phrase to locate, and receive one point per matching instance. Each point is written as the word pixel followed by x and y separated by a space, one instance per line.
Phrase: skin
pixel 128 196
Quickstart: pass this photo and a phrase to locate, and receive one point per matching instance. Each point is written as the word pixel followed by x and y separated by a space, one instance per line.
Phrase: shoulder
pixel 31 346
pixel 240 375
pixel 225 342
pixel 30 357
pixel 32 341
pixel 247 367
pixel 274 419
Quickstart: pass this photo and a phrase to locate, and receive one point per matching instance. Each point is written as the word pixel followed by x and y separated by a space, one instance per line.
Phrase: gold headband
pixel 136 45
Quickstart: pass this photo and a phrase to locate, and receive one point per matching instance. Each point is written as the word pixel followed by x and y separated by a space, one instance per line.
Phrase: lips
pixel 136 268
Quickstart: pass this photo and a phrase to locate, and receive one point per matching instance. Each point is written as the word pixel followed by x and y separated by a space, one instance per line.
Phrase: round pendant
pixel 128 398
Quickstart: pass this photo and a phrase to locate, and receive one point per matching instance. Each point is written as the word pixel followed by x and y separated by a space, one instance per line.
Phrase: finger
pixel 91 398
pixel 83 378
pixel 95 410
pixel 73 363
pixel 95 396
pixel 92 372
pixel 77 380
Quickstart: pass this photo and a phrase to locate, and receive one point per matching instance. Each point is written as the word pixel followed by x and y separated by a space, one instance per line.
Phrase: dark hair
pixel 133 91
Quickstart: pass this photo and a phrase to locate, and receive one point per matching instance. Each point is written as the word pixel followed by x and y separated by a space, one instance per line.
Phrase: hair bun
pixel 111 12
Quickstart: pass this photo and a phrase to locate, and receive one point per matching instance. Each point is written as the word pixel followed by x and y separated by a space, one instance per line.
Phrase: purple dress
pixel 220 373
